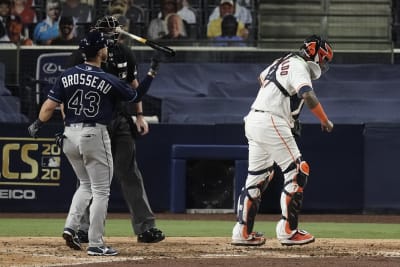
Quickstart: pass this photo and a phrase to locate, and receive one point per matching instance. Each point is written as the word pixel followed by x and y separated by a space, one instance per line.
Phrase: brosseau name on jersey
pixel 87 80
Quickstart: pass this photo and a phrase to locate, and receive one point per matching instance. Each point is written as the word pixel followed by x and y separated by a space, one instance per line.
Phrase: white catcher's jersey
pixel 293 73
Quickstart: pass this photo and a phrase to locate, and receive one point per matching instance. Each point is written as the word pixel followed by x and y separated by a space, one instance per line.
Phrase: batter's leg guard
pixel 247 208
pixel 296 176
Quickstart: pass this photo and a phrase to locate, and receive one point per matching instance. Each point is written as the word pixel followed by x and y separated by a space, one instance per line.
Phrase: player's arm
pixel 144 85
pixel 141 124
pixel 312 102
pixel 46 111
pixel 62 111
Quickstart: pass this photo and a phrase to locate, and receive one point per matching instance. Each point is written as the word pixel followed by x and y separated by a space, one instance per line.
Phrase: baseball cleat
pixel 101 251
pixel 152 235
pixel 71 239
pixel 300 237
pixel 254 239
pixel 83 236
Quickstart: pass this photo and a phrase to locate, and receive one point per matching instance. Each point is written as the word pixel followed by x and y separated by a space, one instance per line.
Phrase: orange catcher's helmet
pixel 318 50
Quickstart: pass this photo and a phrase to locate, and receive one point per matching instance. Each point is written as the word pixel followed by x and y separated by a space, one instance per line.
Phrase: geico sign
pixel 17 194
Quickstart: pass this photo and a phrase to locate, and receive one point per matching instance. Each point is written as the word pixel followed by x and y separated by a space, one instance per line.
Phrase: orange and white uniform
pixel 285 86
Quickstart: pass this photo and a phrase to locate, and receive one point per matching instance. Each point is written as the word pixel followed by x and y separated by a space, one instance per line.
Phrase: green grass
pixel 179 228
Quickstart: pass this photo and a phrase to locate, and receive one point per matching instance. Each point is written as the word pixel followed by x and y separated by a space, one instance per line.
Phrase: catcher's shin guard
pixel 250 199
pixel 296 176
pixel 248 204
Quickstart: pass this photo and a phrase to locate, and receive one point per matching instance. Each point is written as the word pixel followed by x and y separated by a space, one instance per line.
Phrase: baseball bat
pixel 165 49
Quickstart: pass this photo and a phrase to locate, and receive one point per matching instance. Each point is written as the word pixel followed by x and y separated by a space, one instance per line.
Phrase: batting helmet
pixel 318 50
pixel 92 43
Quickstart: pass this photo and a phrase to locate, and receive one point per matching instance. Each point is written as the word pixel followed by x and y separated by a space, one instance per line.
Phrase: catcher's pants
pixel 270 140
pixel 88 149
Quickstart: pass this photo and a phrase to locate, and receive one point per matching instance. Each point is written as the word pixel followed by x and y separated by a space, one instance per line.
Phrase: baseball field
pixel 204 240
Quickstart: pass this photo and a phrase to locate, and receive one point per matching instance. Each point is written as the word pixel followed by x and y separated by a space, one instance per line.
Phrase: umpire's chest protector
pixel 117 63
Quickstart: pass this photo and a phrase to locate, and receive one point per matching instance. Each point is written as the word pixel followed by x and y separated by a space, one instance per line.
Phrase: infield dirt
pixel 209 251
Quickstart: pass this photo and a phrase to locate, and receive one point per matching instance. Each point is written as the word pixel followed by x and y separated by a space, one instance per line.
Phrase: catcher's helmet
pixel 318 50
pixel 92 43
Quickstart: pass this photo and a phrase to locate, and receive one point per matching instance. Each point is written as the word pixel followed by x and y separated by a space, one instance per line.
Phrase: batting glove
pixel 155 63
pixel 34 128
pixel 60 139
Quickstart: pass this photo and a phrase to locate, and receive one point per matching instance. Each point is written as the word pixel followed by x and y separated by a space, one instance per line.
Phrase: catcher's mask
pixel 108 25
pixel 319 51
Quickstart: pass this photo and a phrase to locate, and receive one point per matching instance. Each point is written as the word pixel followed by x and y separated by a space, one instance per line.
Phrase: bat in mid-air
pixel 165 49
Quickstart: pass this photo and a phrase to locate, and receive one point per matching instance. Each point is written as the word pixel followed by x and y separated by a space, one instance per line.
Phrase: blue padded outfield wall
pixel 352 169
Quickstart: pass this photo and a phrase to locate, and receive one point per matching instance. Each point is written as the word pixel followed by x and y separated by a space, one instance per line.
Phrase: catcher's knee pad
pixel 297 172
pixel 303 173
pixel 261 178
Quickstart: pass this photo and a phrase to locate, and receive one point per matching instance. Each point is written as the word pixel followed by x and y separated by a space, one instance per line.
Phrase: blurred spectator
pixel 14 32
pixel 188 16
pixel 47 30
pixel 226 7
pixel 158 27
pixel 240 12
pixel 81 14
pixel 175 27
pixel 5 8
pixel 247 3
pixel 24 9
pixel 186 12
pixel 66 32
pixel 133 14
pixel 228 37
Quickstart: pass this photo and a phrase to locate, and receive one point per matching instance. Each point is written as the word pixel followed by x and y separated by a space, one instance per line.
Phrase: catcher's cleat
pixel 254 239
pixel 152 235
pixel 71 239
pixel 300 237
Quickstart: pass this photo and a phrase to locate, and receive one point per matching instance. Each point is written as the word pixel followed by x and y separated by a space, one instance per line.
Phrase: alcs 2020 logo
pixel 30 162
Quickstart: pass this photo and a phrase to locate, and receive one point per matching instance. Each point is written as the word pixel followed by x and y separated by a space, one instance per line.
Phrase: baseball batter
pixel 123 131
pixel 285 86
pixel 89 96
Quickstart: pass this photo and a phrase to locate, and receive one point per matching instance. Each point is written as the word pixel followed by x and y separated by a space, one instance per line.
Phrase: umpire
pixel 123 132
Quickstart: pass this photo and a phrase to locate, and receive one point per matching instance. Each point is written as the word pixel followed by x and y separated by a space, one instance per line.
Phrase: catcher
pixel 285 86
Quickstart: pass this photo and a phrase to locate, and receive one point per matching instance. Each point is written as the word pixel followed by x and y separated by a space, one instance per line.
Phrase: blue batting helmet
pixel 92 43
